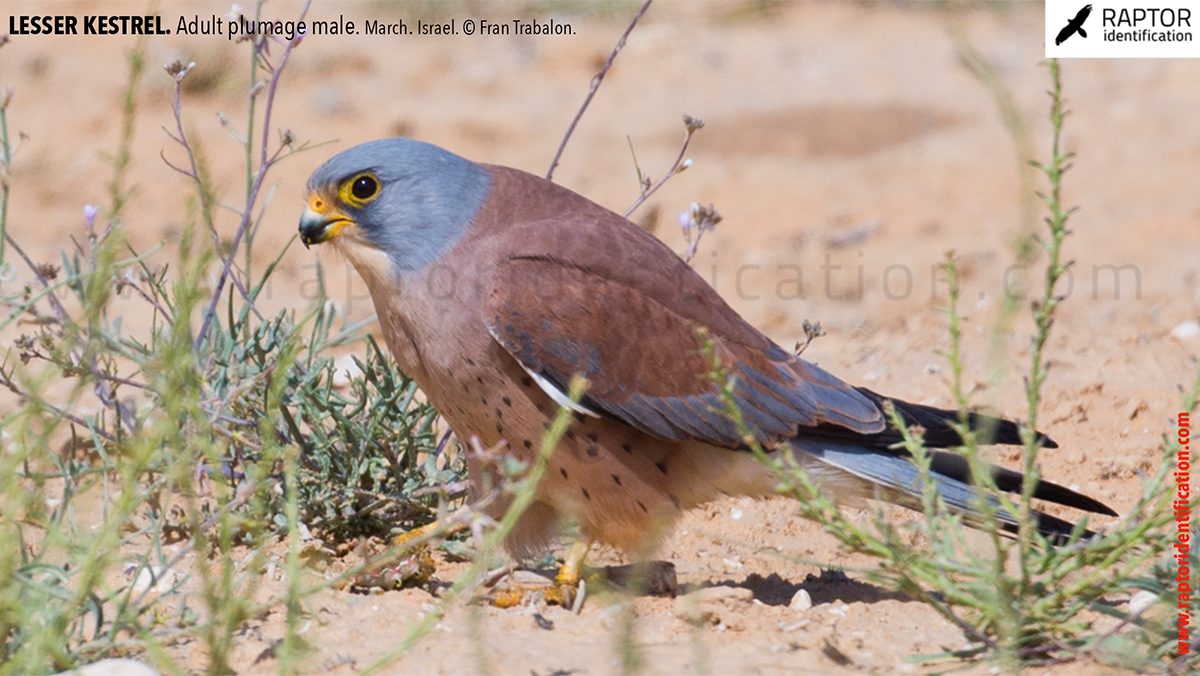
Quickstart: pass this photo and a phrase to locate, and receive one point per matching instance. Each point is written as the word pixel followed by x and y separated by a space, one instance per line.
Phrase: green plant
pixel 216 432
pixel 1035 613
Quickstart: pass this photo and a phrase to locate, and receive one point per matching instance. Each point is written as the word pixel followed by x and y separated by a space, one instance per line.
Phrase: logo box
pixel 1122 29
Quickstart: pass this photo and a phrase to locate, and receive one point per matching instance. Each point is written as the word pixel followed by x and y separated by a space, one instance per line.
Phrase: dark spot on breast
pixel 528 444
pixel 675 501
pixel 499 414
pixel 593 436
pixel 527 381
pixel 642 506
pixel 563 471
pixel 586 494
pixel 662 467
pixel 570 435
pixel 479 379
pixel 484 400
pixel 469 361
pixel 541 408
pixel 627 448
pixel 617 479
pixel 507 401
pixel 593 451
pixel 499 428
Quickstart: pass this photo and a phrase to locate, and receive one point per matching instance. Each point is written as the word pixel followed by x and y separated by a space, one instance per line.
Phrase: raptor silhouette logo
pixel 1074 26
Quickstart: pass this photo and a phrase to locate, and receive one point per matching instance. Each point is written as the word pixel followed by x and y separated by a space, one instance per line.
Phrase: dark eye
pixel 364 187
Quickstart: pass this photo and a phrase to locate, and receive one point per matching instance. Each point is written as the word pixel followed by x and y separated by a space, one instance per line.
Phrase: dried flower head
pixel 47 271
pixel 692 123
pixel 177 70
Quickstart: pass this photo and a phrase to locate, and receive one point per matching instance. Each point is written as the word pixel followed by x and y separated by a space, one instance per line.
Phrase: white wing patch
pixel 558 395
pixel 548 387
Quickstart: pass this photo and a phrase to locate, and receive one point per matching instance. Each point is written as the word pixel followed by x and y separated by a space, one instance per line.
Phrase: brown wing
pixel 645 362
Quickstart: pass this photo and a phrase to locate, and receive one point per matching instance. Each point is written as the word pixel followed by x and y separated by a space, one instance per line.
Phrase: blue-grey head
pixel 405 199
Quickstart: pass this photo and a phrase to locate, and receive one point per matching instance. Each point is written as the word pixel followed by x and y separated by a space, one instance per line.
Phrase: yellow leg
pixel 415 564
pixel 572 568
pixel 564 590
pixel 427 531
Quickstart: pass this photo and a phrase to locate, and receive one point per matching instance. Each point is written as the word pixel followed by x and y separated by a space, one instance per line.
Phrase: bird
pixel 494 288
pixel 1074 26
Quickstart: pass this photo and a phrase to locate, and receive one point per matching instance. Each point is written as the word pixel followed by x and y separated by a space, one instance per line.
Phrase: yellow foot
pixel 567 590
pixel 415 564
pixel 414 568
pixel 523 587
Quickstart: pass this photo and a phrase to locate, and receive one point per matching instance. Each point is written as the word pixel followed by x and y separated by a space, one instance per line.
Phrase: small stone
pixel 118 667
pixel 1186 330
pixel 1141 601
pixel 655 577
pixel 801 601
pixel 345 370
pixel 156 581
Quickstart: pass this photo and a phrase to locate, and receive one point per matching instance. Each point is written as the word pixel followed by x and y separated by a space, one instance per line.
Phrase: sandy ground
pixel 824 120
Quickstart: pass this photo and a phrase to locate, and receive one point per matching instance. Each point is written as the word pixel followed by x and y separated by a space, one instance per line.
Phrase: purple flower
pixel 89 214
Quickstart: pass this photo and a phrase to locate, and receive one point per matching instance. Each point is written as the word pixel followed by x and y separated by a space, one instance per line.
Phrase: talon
pixel 566 590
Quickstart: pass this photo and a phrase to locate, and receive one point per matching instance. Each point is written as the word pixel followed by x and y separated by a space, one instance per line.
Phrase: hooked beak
pixel 321 222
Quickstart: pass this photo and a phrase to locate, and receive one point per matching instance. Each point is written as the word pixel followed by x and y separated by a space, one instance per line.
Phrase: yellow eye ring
pixel 361 189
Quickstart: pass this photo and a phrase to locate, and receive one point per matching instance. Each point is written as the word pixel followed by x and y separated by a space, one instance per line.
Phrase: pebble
pixel 156 581
pixel 1185 330
pixel 801 601
pixel 1141 601
pixel 119 667
pixel 345 370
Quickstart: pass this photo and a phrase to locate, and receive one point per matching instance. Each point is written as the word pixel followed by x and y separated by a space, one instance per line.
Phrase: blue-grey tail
pixel 897 479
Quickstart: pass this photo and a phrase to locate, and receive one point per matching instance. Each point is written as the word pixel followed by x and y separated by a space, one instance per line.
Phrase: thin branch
pixel 595 86
pixel 265 164
pixel 7 382
pixel 680 165
pixel 55 303
pixel 152 301
pixel 103 391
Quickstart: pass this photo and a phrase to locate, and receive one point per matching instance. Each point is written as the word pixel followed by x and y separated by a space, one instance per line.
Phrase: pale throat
pixel 373 265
